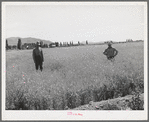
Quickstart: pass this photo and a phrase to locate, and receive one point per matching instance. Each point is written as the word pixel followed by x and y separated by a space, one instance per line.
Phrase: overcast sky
pixel 64 23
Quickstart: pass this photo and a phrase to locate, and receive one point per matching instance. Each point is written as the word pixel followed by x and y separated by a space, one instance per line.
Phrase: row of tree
pixel 33 45
pixel 19 45
pixel 68 44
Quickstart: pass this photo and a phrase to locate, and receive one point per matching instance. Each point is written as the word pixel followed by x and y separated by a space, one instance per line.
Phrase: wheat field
pixel 72 76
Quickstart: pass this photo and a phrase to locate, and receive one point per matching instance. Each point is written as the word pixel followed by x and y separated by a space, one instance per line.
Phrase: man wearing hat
pixel 38 56
pixel 110 52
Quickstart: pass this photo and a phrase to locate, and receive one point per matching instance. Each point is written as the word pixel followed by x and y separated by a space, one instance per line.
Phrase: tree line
pixel 19 45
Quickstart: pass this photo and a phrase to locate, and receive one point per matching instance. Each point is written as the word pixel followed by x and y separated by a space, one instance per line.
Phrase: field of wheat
pixel 72 76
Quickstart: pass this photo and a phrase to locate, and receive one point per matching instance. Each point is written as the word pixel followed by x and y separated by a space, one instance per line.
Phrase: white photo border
pixel 62 115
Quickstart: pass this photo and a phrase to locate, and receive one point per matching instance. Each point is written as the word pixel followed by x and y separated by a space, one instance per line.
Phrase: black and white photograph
pixel 74 61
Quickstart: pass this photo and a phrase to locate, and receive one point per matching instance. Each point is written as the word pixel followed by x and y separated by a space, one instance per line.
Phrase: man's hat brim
pixel 38 43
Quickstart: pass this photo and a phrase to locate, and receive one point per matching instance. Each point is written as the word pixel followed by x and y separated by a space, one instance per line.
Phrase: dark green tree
pixel 41 43
pixel 67 44
pixel 7 45
pixel 19 46
pixel 60 44
pixel 56 44
pixel 78 43
pixel 86 42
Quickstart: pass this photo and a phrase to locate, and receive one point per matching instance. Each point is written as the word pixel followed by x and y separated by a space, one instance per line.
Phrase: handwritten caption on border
pixel 74 114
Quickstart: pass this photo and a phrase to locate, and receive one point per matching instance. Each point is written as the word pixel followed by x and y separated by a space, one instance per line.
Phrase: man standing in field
pixel 110 52
pixel 38 57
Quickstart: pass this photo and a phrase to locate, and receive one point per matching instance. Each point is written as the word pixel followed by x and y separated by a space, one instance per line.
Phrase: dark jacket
pixel 110 52
pixel 37 52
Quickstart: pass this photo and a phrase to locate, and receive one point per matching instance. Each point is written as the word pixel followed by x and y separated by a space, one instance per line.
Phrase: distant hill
pixel 14 40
